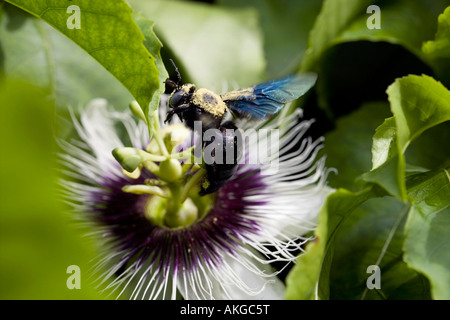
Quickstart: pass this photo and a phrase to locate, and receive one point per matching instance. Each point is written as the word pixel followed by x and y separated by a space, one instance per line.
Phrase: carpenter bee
pixel 209 108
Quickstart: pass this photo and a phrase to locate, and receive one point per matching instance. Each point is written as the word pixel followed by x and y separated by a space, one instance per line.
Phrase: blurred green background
pixel 38 242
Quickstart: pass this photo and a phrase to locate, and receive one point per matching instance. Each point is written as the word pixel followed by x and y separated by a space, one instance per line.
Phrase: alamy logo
pixel 374 281
pixel 74 280
pixel 374 21
pixel 74 21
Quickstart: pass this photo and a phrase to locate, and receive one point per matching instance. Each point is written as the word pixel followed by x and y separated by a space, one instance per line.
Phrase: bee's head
pixel 181 95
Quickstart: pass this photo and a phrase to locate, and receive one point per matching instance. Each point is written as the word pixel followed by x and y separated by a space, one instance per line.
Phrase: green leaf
pixel 153 46
pixel 418 153
pixel 347 147
pixel 37 53
pixel 440 47
pixel 438 50
pixel 214 47
pixel 343 21
pixel 286 25
pixel 397 20
pixel 384 142
pixel 418 103
pixel 303 278
pixel 109 34
pixel 372 235
pixel 38 239
pixel 427 241
pixel 356 64
pixel 355 231
pixel 334 17
pixel 389 168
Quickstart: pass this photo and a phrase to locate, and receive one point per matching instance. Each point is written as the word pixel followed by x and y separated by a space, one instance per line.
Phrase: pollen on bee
pixel 187 87
pixel 209 101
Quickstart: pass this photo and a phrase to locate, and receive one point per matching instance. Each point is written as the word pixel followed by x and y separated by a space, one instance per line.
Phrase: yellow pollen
pixel 209 101
pixel 187 87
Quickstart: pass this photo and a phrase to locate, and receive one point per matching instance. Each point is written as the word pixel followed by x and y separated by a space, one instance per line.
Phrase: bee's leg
pixel 169 115
pixel 180 109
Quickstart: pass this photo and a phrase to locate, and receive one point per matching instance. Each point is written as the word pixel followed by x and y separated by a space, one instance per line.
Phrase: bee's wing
pixel 268 98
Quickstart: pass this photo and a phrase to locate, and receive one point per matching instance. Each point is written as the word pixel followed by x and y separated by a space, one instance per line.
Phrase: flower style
pixel 223 244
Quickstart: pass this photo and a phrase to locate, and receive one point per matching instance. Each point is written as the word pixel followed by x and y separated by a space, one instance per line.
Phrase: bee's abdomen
pixel 219 173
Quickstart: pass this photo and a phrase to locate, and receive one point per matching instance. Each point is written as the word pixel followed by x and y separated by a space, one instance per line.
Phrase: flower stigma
pixel 172 195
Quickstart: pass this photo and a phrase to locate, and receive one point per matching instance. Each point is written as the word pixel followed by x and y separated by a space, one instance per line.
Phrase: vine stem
pixel 155 126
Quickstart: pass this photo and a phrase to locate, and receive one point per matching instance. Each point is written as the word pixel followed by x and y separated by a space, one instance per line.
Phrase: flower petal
pixel 240 277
